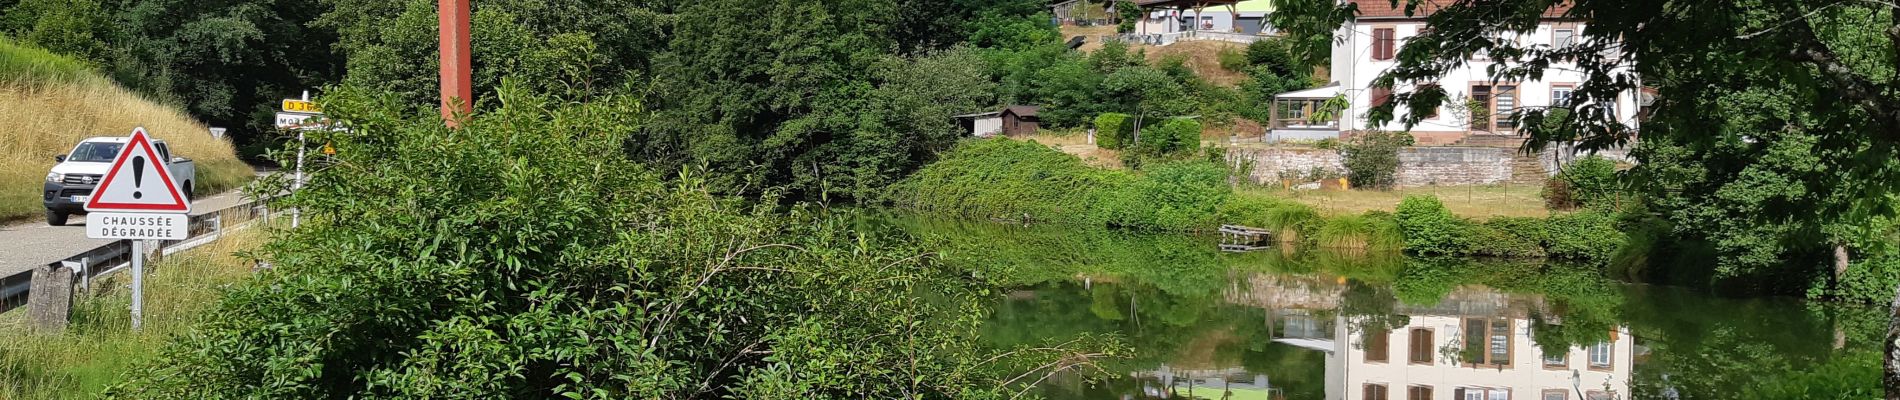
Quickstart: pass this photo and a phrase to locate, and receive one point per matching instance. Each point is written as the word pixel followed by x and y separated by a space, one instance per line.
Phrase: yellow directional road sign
pixel 306 106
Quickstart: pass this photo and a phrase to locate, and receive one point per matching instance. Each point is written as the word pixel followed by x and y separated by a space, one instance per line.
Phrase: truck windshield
pixel 95 152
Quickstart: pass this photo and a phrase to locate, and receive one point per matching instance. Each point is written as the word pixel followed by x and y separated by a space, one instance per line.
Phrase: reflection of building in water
pixel 1474 345
pixel 1474 357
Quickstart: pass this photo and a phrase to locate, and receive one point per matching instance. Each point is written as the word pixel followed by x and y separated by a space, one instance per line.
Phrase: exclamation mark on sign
pixel 138 176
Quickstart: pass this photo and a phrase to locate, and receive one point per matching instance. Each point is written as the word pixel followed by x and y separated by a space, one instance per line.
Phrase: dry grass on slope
pixel 1203 57
pixel 48 103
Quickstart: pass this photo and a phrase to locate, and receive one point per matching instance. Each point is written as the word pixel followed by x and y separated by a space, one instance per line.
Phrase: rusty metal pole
pixel 457 89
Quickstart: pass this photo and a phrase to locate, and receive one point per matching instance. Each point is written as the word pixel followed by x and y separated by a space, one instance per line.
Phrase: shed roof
pixel 978 115
pixel 1022 111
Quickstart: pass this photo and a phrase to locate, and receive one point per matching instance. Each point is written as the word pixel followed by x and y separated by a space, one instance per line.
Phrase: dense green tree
pixel 1272 70
pixel 1308 27
pixel 554 46
pixel 1146 93
pixel 82 29
pixel 226 62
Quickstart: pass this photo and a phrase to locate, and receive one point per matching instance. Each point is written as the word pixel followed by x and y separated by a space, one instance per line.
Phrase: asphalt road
pixel 32 243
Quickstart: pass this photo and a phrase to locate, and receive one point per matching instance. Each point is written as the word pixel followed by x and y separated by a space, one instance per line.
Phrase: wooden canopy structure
pixel 1198 6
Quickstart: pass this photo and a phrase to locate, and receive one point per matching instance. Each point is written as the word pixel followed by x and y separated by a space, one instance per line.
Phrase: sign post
pixel 137 200
pixel 298 114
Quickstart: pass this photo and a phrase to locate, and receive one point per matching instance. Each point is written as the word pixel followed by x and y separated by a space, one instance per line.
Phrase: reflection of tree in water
pixel 1751 348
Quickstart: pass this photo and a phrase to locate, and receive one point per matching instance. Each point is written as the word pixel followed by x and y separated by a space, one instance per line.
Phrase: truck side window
pixel 165 152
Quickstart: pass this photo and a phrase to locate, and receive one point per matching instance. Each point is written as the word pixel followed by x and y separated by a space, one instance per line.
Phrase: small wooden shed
pixel 1020 120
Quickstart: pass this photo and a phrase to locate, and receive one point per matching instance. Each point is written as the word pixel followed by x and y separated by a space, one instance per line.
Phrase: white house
pixel 1367 47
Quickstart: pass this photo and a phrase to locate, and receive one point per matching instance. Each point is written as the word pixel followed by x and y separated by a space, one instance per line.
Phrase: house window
pixel 1384 42
pixel 1556 394
pixel 1434 112
pixel 1472 393
pixel 1481 115
pixel 1495 104
pixel 1375 391
pixel 1380 96
pixel 1600 356
pixel 1505 104
pixel 1609 109
pixel 1418 392
pixel 1557 360
pixel 1420 348
pixel 1377 349
pixel 1562 38
pixel 1488 342
pixel 1560 96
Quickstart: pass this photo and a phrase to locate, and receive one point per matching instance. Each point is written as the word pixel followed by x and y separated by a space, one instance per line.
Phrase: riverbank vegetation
pixel 51 102
pixel 99 346
pixel 523 254
pixel 1019 181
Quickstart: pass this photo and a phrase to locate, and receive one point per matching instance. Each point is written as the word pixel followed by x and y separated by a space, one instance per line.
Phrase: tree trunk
pixel 1840 266
pixel 1892 379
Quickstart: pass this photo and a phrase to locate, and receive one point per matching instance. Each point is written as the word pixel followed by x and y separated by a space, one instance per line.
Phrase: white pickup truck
pixel 79 171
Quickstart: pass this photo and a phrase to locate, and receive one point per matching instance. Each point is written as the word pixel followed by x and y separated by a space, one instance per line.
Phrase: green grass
pixel 1478 202
pixel 33 65
pixel 99 346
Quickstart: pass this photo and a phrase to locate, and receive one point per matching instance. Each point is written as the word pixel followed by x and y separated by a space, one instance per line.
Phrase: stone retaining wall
pixel 1269 163
pixel 1454 166
pixel 1418 166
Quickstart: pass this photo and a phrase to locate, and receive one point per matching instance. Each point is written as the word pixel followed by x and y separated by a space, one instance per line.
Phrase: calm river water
pixel 1277 324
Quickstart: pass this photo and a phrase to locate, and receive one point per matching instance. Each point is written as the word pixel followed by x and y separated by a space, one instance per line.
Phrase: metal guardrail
pixel 112 257
pixel 1163 39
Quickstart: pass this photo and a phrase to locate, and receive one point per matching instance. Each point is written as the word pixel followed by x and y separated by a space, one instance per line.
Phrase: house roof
pixel 1384 9
pixel 1022 111
pixel 978 115
pixel 1324 92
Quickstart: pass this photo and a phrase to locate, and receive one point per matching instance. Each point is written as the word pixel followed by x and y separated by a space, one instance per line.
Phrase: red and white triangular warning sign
pixel 138 182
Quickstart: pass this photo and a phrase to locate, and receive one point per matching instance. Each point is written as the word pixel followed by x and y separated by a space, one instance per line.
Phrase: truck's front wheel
pixel 55 218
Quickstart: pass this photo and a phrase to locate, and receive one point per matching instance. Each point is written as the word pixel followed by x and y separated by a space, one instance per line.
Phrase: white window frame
pixel 1603 350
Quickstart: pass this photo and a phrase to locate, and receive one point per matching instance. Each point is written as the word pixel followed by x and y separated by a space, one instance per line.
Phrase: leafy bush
pixel 1868 280
pixel 1558 195
pixel 522 255
pixel 1585 235
pixel 1430 229
pixel 1508 238
pixel 1588 181
pixel 1024 181
pixel 1175 137
pixel 1113 129
pixel 1273 54
pixel 1233 60
pixel 1175 196
pixel 1372 158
